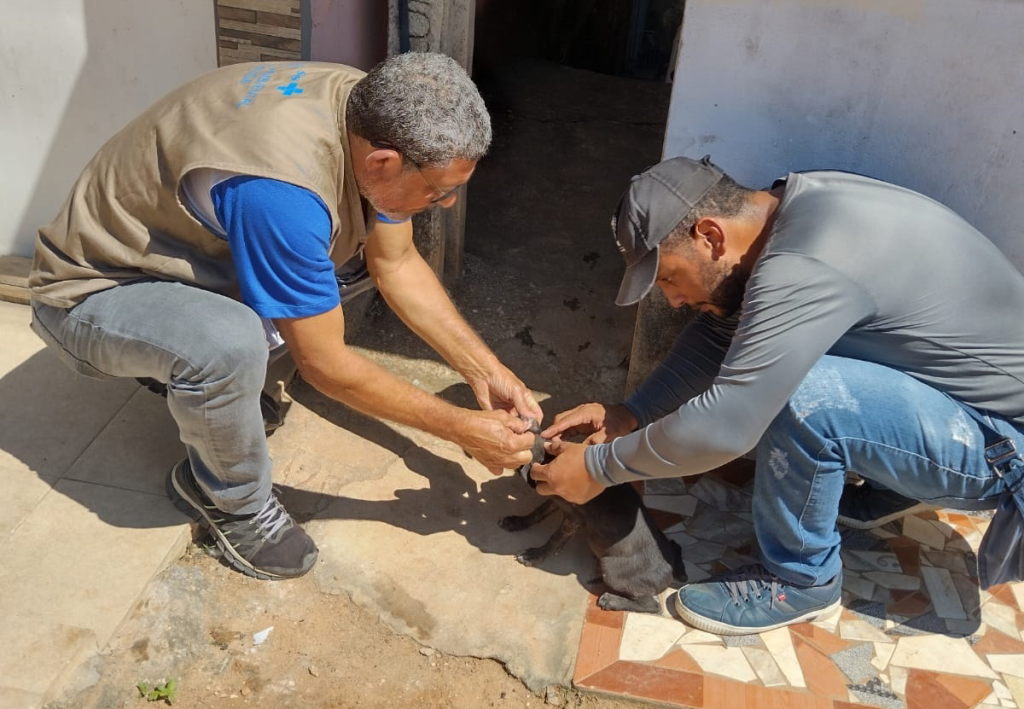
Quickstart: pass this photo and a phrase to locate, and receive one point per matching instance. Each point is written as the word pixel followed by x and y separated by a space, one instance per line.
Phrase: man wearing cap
pixel 845 325
pixel 206 235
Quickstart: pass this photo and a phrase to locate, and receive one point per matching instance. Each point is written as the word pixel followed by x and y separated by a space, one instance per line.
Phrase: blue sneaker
pixel 751 599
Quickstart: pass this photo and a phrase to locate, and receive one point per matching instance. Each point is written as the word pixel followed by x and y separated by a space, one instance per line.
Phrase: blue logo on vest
pixel 292 88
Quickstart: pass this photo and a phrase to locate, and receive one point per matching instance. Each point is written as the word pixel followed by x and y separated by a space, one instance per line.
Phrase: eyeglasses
pixel 437 190
pixel 442 195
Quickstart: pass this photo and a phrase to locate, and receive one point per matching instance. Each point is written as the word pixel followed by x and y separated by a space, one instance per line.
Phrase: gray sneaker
pixel 752 600
pixel 265 545
pixel 866 507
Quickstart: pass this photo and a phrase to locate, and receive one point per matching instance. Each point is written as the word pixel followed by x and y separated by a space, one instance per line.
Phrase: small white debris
pixel 313 671
pixel 261 637
pixel 555 697
pixel 427 651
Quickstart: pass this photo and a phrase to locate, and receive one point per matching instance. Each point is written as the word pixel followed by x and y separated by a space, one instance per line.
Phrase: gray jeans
pixel 208 349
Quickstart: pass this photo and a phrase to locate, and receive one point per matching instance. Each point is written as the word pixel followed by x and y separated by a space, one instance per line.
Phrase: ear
pixel 384 163
pixel 709 233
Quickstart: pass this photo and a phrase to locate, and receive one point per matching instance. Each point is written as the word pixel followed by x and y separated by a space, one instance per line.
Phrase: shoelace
pixel 748 581
pixel 272 517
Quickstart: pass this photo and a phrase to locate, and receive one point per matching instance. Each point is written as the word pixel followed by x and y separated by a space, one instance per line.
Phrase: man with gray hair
pixel 208 232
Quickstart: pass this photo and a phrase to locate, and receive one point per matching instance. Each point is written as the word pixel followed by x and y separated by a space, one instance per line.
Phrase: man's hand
pixel 496 439
pixel 611 420
pixel 499 388
pixel 566 475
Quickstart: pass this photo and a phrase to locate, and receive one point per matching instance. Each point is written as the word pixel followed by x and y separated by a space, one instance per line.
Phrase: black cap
pixel 655 202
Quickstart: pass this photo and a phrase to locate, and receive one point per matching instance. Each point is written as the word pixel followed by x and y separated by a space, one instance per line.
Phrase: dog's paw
pixel 531 557
pixel 613 602
pixel 513 523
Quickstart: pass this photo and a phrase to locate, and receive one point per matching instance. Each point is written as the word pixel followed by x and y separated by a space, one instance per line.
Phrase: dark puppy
pixel 637 561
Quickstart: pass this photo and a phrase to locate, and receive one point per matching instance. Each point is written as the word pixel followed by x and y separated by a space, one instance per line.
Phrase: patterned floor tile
pixel 1016 686
pixel 764 665
pixel 599 644
pixel 942 592
pixel 720 495
pixel 828 623
pixel 858 586
pixel 856 663
pixel 857 560
pixel 1018 594
pixel 923 531
pixel 998 642
pixel 858 630
pixel 938 653
pixel 683 505
pixel 908 604
pixel 825 642
pixel 780 644
pixel 1008 664
pixel 1001 617
pixel 883 653
pixel 877 692
pixel 657 684
pixel 899 582
pixel 908 552
pixel 648 637
pixel 679 660
pixel 915 630
pixel 1002 692
pixel 898 677
pixel 724 661
pixel 1004 592
pixel 822 676
pixel 665 519
pixel 927 690
pixel 950 561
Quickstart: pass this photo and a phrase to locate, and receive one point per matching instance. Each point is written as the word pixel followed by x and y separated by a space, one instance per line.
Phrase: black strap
pixel 1000 451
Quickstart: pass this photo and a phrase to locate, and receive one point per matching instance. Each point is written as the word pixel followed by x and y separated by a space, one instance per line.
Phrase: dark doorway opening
pixel 578 101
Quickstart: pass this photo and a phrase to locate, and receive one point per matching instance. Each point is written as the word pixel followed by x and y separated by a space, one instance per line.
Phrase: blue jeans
pixel 877 422
pixel 211 352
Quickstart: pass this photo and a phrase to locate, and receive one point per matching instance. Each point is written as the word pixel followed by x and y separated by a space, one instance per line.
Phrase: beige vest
pixel 125 220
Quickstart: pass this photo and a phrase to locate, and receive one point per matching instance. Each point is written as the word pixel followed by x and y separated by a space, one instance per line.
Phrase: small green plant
pixel 163 691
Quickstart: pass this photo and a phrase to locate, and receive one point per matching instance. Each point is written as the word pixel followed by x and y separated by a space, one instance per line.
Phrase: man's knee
pixel 818 406
pixel 230 346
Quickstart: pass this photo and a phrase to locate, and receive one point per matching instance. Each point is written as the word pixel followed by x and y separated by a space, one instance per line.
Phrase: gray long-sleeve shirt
pixel 853 267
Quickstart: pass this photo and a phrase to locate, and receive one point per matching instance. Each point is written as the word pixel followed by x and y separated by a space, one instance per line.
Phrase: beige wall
pixel 927 94
pixel 72 72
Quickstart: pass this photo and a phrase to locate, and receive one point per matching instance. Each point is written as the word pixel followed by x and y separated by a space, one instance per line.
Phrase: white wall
pixel 925 93
pixel 72 72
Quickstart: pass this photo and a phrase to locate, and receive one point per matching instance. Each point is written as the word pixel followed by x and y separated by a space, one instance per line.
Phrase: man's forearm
pixel 687 370
pixel 367 387
pixel 418 298
pixel 318 346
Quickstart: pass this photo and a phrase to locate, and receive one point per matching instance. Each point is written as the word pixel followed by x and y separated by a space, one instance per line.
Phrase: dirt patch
pixel 201 624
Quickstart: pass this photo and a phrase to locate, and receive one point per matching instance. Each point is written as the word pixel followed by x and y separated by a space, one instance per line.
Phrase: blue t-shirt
pixel 280 238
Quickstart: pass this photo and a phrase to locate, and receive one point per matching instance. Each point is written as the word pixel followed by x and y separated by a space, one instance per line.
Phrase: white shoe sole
pixel 718 628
